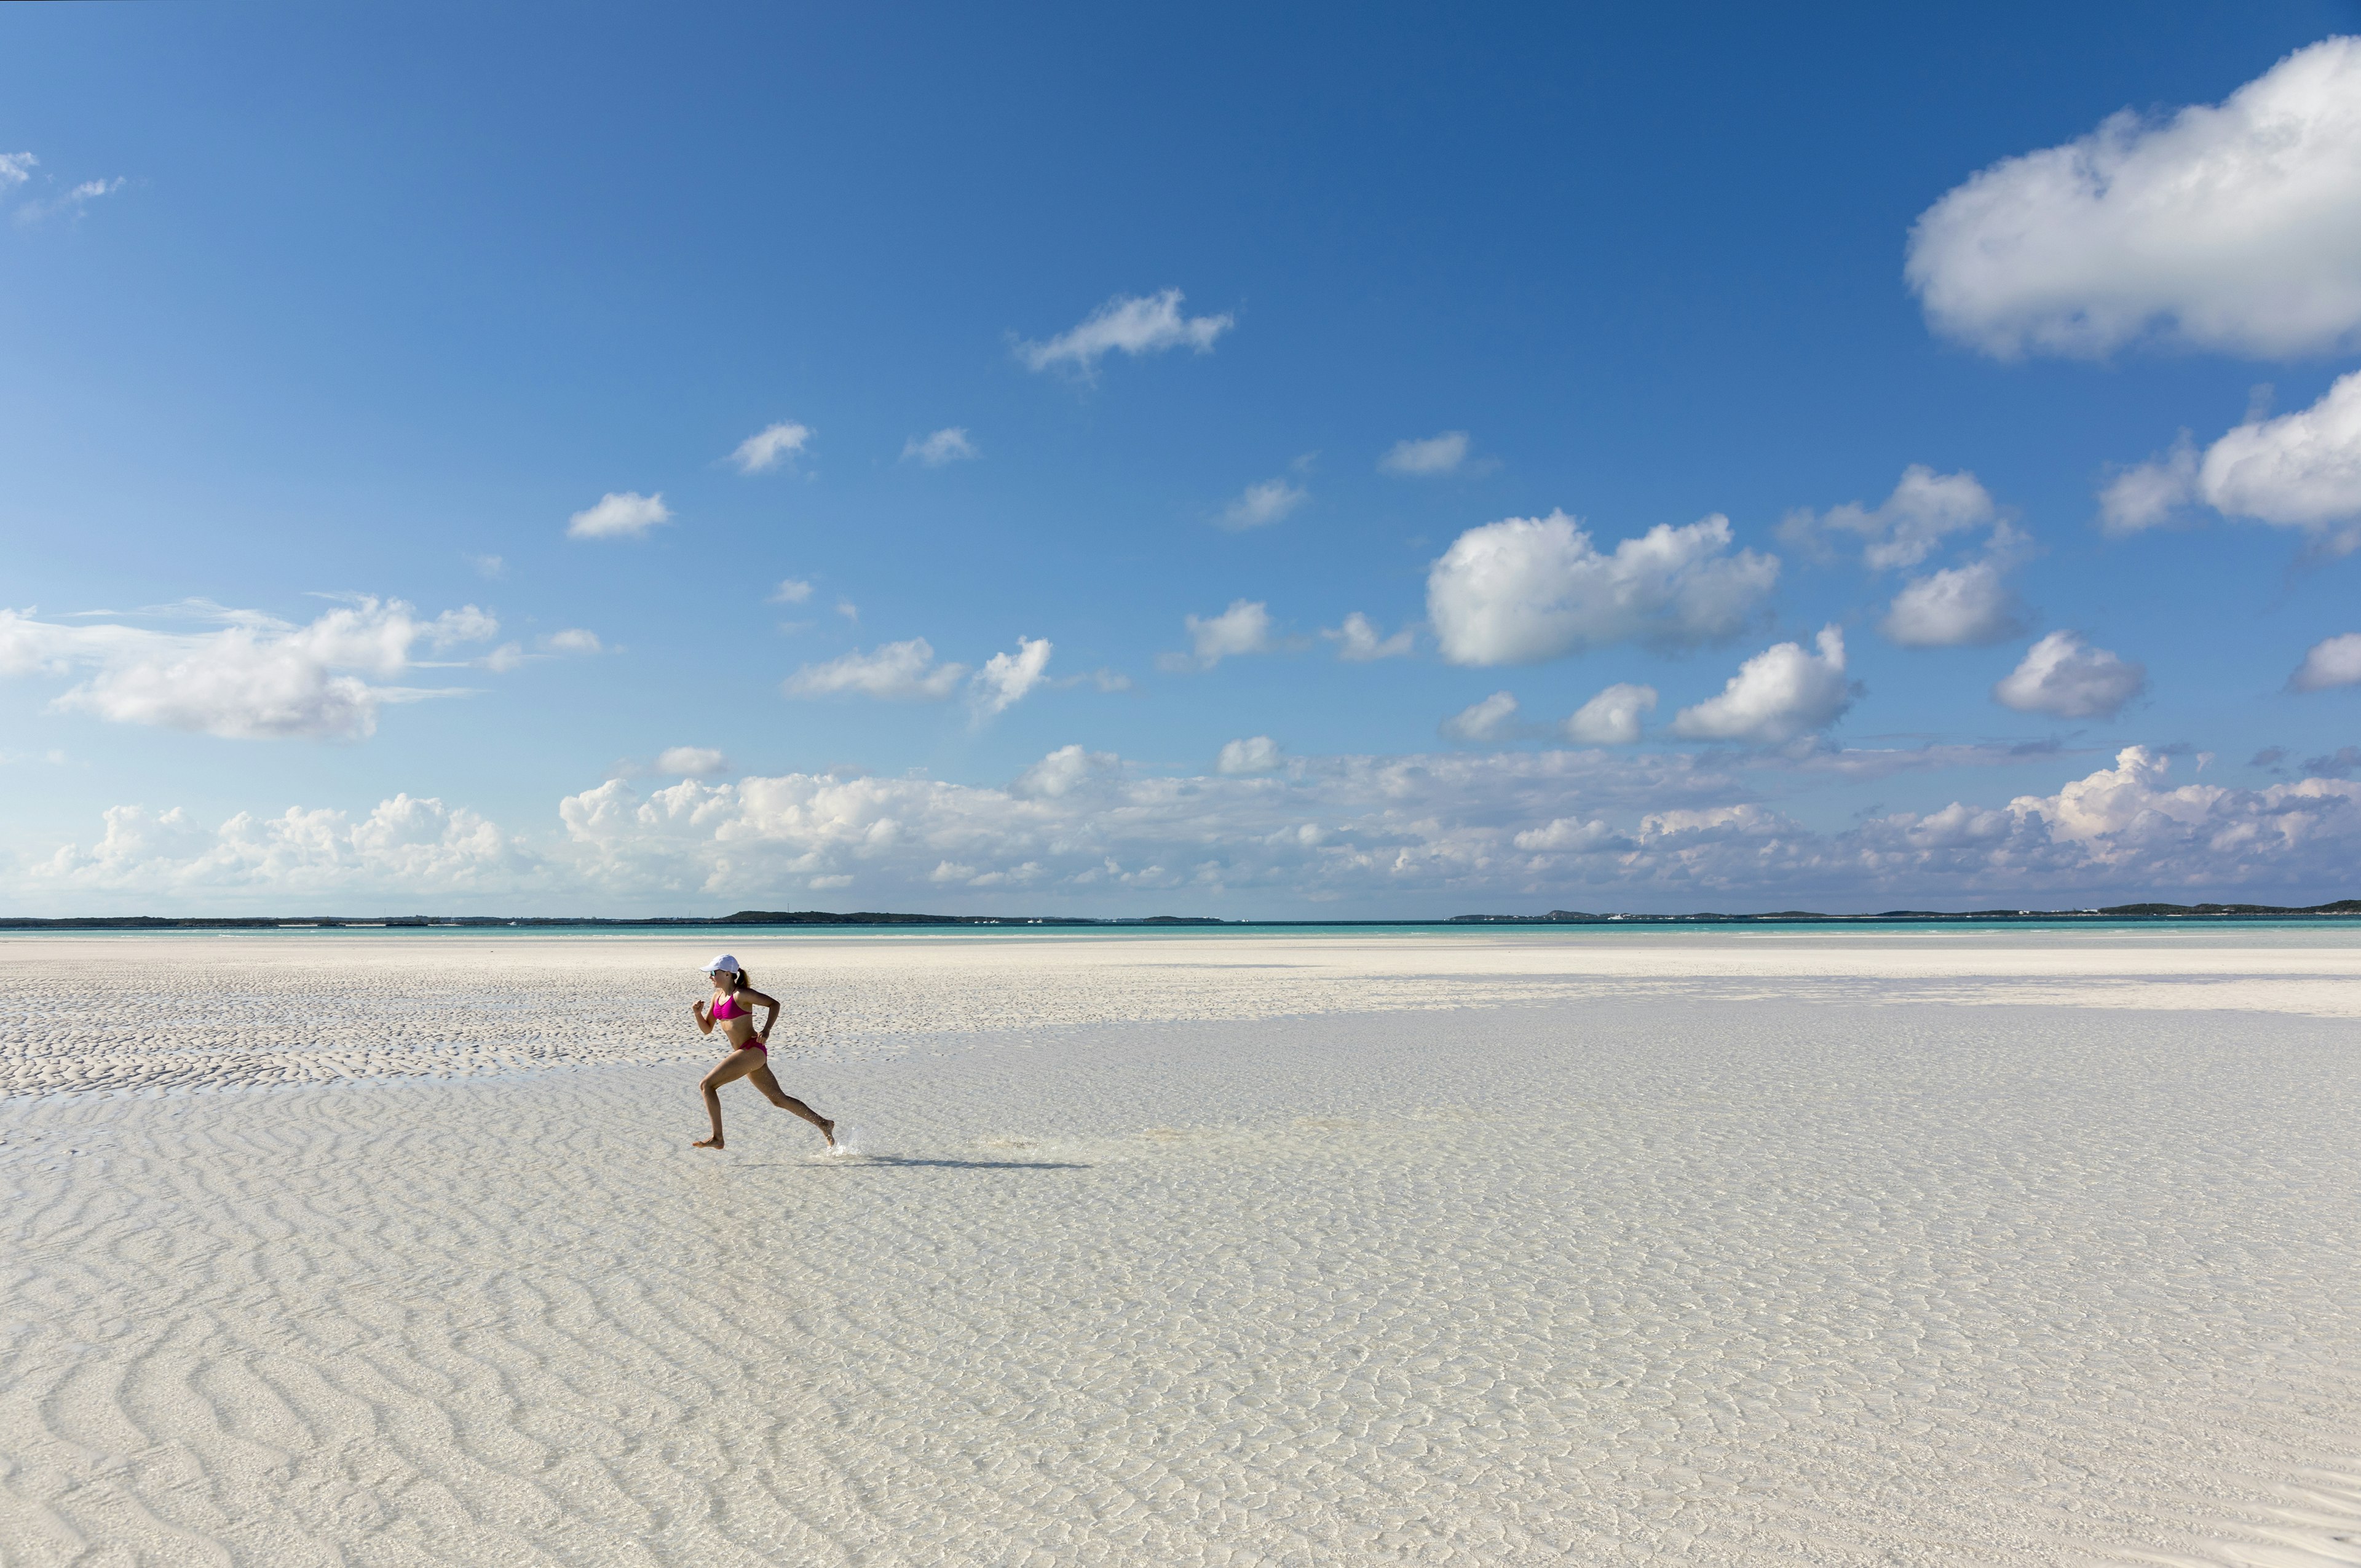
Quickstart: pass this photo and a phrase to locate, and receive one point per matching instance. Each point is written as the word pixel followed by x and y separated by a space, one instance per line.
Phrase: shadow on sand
pixel 878 1161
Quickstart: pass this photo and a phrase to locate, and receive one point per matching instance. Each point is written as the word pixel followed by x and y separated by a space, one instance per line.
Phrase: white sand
pixel 1478 1248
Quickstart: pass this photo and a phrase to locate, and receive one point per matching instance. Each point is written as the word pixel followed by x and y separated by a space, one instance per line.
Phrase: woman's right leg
pixel 737 1064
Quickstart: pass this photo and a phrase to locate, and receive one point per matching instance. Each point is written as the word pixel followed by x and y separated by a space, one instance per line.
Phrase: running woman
pixel 732 1007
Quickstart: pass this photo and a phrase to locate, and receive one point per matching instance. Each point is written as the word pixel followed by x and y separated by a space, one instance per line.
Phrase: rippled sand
pixel 1473 1248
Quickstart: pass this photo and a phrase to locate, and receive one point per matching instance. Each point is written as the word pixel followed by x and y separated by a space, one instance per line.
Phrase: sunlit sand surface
pixel 1477 1248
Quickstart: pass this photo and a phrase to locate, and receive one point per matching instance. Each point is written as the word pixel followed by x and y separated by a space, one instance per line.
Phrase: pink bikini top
pixel 727 1008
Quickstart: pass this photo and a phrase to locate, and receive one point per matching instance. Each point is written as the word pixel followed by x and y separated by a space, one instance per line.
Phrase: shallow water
pixel 1647 1276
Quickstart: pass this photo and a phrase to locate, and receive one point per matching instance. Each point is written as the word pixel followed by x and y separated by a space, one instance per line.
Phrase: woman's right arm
pixel 704 1018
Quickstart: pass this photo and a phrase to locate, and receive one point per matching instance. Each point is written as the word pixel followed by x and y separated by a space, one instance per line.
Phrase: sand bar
pixel 1466 1249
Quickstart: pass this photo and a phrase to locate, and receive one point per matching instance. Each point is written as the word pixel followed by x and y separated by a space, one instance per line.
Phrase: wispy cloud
pixel 1133 325
pixel 1422 458
pixel 770 446
pixel 950 444
pixel 256 677
pixel 1263 503
pixel 896 671
pixel 1244 628
pixel 619 515
pixel 1357 641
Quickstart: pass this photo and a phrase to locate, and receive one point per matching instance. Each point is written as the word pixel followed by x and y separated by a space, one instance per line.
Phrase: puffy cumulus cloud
pixel 255 677
pixel 1525 589
pixel 619 515
pixel 2333 661
pixel 2126 816
pixel 1129 325
pixel 1777 696
pixel 692 762
pixel 572 640
pixel 1244 628
pixel 15 169
pixel 791 590
pixel 1959 607
pixel 2301 470
pixel 1256 754
pixel 406 846
pixel 2154 493
pixel 1064 771
pixel 1612 718
pixel 1492 720
pixel 896 671
pixel 1497 829
pixel 2064 677
pixel 1262 504
pixel 1357 640
pixel 1906 528
pixel 770 446
pixel 950 444
pixel 2235 227
pixel 1435 454
pixel 1006 678
pixel 1084 825
pixel 1565 835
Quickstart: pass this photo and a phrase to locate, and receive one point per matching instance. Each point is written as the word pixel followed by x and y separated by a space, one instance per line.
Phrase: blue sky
pixel 349 314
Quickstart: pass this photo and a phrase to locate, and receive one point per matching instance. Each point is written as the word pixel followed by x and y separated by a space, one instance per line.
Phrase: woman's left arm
pixel 751 998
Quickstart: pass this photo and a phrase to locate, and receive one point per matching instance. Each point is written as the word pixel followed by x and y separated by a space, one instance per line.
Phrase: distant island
pixel 2341 908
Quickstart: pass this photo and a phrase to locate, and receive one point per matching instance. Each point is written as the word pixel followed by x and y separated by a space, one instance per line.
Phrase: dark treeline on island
pixel 2345 908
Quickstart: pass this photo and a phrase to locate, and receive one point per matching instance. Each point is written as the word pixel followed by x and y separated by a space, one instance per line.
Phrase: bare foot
pixel 827 1131
pixel 713 1143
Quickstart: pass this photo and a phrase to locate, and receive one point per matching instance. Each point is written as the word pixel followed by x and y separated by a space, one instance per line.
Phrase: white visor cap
pixel 726 962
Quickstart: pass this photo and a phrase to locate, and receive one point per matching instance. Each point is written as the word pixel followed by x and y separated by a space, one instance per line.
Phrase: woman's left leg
pixel 785 1101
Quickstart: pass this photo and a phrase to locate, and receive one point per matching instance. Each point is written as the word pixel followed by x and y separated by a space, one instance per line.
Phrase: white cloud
pixel 1424 834
pixel 692 762
pixel 1569 835
pixel 770 446
pixel 16 170
pixel 2333 661
pixel 1244 628
pixel 896 671
pixel 1357 641
pixel 628 515
pixel 1778 695
pixel 405 846
pixel 1257 754
pixel 2300 470
pixel 1525 589
pixel 1263 503
pixel 255 678
pixel 850 611
pixel 791 590
pixel 2150 494
pixel 1006 677
pixel 1612 718
pixel 1435 455
pixel 2235 227
pixel 1959 607
pixel 1065 771
pixel 1494 718
pixel 1147 324
pixel 2064 677
pixel 572 640
pixel 487 565
pixel 950 444
pixel 1906 527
